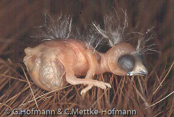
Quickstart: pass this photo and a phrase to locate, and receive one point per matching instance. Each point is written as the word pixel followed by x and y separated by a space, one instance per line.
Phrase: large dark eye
pixel 126 62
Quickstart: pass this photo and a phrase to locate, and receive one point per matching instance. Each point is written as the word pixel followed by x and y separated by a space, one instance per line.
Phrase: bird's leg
pixel 92 62
pixel 70 78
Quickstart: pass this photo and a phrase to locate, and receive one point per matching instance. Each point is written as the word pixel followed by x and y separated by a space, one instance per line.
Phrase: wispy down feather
pixel 56 29
pixel 143 48
pixel 113 29
pixel 61 28
pixel 91 38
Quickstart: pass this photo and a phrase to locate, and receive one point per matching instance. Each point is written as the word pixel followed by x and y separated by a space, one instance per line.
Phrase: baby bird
pixel 53 63
pixel 56 62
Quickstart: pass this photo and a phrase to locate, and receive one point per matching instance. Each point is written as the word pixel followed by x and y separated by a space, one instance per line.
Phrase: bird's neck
pixel 102 64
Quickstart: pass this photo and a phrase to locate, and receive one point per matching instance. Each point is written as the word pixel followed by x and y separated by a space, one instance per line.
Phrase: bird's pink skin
pixel 52 64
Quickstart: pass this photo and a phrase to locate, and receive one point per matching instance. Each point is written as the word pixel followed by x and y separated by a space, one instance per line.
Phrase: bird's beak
pixel 141 73
pixel 139 70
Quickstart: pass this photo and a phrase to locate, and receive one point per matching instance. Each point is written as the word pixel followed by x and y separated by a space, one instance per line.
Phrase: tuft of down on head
pixel 143 48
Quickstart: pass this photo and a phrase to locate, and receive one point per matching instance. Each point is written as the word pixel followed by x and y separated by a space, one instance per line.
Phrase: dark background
pixel 19 19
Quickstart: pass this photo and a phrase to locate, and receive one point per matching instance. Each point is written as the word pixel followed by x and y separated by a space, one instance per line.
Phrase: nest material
pixel 149 96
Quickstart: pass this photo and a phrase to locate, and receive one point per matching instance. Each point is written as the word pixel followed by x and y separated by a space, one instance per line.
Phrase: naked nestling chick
pixel 56 62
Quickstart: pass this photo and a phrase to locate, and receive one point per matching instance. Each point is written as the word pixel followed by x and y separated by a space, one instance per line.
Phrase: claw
pixel 102 85
pixel 108 85
pixel 86 89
